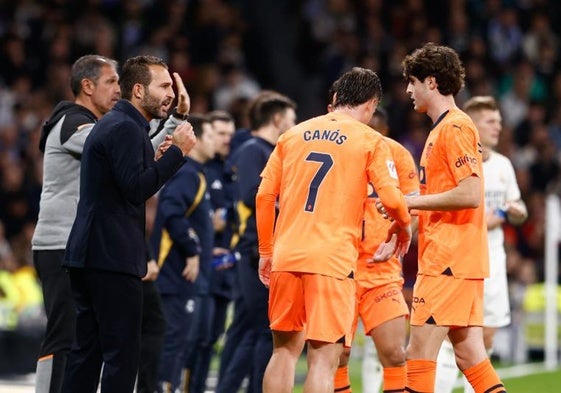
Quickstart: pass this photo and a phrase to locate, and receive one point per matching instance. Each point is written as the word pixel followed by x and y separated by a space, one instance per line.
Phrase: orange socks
pixel 394 379
pixel 342 383
pixel 484 378
pixel 420 376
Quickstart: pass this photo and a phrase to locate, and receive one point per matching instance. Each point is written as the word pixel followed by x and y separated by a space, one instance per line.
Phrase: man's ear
pixel 138 91
pixel 88 86
pixel 432 82
pixel 277 119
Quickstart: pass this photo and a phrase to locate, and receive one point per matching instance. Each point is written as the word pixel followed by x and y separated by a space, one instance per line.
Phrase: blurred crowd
pixel 227 51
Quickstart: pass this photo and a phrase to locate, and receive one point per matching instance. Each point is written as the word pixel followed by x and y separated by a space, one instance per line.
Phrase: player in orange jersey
pixel 380 302
pixel 320 170
pixel 453 255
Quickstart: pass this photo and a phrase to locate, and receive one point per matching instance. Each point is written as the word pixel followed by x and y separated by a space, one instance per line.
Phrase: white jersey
pixel 500 187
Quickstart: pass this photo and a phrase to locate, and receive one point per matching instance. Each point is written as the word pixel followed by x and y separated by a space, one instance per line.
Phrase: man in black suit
pixel 105 254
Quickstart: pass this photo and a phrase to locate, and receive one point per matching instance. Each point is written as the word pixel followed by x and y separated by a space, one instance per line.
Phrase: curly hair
pixel 438 61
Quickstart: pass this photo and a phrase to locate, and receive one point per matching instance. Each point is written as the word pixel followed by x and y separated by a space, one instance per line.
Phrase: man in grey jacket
pixel 95 84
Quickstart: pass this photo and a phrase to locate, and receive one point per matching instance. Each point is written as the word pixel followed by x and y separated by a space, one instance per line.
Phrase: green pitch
pixel 542 381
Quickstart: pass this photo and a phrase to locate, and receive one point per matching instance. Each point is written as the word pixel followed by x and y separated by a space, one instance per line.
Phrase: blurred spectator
pixel 504 35
pixel 517 89
pixel 235 84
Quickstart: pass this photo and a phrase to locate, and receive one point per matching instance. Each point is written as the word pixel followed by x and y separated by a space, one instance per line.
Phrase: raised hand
pixel 184 137
pixel 183 99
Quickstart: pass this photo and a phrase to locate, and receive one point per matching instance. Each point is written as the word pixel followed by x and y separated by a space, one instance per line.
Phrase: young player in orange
pixel 502 203
pixel 321 169
pixel 453 255
pixel 380 302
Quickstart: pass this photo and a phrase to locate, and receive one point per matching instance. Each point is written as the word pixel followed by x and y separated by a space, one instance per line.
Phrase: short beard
pixel 152 106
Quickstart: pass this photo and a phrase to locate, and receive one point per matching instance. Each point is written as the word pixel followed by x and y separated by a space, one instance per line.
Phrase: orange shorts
pixel 323 305
pixel 448 300
pixel 379 304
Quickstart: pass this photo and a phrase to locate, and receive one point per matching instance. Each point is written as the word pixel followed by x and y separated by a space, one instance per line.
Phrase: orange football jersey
pixel 320 170
pixel 454 242
pixel 375 226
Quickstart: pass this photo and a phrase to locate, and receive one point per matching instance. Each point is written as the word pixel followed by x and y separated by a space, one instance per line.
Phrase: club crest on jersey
pixel 428 151
pixel 391 168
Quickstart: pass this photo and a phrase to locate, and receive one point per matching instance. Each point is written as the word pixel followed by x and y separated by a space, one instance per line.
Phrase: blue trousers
pixel 249 342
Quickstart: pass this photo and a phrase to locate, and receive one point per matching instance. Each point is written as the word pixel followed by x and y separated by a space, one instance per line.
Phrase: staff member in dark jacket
pixel 105 254
pixel 249 342
pixel 182 240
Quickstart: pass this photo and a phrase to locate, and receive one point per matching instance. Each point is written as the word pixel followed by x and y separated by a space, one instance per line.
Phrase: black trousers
pixel 108 325
pixel 61 320
pixel 152 338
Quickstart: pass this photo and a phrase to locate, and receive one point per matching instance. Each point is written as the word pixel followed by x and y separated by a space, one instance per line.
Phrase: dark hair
pixel 219 115
pixel 265 106
pixel 331 93
pixel 355 87
pixel 197 120
pixel 438 61
pixel 136 70
pixel 88 67
pixel 479 103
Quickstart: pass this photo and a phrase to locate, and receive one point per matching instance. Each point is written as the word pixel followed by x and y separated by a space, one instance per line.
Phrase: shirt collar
pixel 129 109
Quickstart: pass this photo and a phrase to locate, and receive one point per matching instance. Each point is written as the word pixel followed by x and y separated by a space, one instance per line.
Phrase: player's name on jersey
pixel 325 135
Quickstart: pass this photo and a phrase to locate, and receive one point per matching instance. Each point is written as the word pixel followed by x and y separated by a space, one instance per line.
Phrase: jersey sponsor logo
pixel 387 295
pixel 391 169
pixel 418 300
pixel 465 160
pixel 325 135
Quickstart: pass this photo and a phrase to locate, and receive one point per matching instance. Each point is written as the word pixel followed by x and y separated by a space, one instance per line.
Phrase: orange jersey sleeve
pixel 265 201
pixel 454 240
pixel 391 197
pixel 375 227
pixel 320 170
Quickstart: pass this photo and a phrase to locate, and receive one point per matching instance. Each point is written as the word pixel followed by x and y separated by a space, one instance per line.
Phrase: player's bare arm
pixel 466 195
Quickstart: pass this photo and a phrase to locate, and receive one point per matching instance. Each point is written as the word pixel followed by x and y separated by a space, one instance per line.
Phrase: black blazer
pixel 118 174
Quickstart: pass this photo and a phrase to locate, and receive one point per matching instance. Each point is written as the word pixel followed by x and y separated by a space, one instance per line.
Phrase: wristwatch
pixel 179 116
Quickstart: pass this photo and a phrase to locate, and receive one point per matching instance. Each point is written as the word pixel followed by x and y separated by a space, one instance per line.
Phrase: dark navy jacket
pixel 247 163
pixel 220 189
pixel 118 174
pixel 183 228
